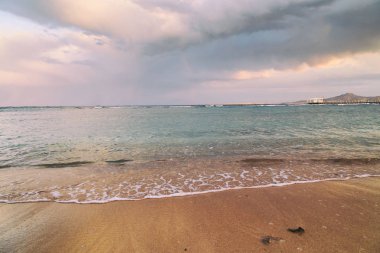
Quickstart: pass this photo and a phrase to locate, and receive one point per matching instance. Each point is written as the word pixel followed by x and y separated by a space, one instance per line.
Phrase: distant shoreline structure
pixel 342 103
pixel 315 101
pixel 347 98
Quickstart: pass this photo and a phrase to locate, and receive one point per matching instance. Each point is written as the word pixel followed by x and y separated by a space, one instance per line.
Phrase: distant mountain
pixel 349 98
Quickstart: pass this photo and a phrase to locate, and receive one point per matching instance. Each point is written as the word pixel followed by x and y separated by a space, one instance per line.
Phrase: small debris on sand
pixel 269 239
pixel 298 230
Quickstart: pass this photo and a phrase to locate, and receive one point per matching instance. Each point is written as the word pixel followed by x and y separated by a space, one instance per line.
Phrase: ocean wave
pixel 97 183
pixel 179 194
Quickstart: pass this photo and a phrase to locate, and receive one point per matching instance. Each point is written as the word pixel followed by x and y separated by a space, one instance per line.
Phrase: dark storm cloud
pixel 310 39
pixel 285 38
pixel 242 23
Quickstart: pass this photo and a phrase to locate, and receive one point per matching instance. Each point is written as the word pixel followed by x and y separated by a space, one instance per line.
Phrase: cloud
pixel 156 51
pixel 118 19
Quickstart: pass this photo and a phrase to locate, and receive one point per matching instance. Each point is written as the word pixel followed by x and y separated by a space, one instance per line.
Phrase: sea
pixel 102 154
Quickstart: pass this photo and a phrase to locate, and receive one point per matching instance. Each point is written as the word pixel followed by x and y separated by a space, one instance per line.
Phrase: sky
pixel 122 52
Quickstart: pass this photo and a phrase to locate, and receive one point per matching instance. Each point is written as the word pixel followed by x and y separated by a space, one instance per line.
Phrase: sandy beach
pixel 338 216
pixel 202 126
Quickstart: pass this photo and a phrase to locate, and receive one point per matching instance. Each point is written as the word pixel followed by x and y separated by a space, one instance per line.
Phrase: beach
pixel 337 216
pixel 189 126
pixel 186 179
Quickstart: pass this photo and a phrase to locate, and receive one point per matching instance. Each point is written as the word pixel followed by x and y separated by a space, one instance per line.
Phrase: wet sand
pixel 337 216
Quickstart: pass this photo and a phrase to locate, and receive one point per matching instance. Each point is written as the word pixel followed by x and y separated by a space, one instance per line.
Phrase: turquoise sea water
pixel 155 140
pixel 34 136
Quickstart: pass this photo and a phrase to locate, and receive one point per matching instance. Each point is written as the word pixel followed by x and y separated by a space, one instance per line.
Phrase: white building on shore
pixel 316 100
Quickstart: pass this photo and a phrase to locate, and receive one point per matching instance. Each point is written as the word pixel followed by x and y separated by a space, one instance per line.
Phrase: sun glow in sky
pixel 87 52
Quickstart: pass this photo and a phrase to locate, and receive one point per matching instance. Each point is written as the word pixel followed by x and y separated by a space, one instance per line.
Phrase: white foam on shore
pixel 180 194
pixel 56 194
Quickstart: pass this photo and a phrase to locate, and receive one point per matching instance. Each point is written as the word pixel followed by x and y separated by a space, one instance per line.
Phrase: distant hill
pixel 347 98
pixel 350 98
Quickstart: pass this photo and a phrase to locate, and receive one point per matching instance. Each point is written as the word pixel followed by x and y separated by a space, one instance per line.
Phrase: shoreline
pixel 189 194
pixel 137 181
pixel 338 216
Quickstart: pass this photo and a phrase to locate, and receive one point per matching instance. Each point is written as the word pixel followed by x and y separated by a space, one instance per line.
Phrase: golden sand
pixel 337 217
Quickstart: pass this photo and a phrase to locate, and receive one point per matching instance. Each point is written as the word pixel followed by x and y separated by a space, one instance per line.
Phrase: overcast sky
pixel 96 52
